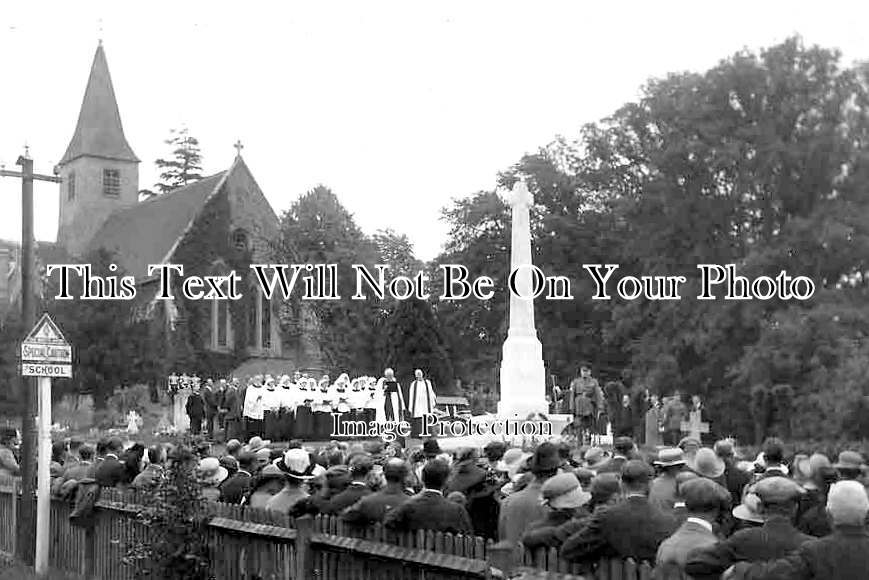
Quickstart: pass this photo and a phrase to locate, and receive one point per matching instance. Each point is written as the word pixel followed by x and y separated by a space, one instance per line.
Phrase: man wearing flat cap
pixel 632 528
pixel 705 501
pixel 779 498
pixel 843 555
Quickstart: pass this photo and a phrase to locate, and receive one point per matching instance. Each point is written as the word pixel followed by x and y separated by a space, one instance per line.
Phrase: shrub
pixel 175 545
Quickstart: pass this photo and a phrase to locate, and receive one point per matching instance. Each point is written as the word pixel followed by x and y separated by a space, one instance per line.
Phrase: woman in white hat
pixel 210 475
pixel 297 469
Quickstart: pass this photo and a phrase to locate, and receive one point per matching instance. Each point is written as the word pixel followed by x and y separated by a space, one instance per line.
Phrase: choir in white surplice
pixel 300 407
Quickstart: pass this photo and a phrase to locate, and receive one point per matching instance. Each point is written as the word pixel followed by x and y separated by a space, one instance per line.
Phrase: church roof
pixel 99 132
pixel 148 232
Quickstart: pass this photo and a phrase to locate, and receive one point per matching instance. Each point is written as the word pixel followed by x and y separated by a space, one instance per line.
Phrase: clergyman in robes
pixel 422 402
pixel 393 399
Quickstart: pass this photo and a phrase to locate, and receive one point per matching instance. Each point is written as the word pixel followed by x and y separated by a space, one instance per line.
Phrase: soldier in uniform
pixel 587 402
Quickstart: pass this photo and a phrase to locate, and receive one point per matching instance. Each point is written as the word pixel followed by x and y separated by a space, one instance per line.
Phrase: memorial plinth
pixel 523 376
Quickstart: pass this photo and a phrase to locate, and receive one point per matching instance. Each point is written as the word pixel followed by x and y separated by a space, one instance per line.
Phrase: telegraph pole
pixel 27 518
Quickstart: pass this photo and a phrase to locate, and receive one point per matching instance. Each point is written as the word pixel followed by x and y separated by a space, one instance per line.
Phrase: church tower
pixel 100 172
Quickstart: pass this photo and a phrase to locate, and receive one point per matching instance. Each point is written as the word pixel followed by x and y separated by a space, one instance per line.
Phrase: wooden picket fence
pixel 255 544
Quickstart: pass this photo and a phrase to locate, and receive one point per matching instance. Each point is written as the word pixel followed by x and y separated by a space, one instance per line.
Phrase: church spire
pixel 99 132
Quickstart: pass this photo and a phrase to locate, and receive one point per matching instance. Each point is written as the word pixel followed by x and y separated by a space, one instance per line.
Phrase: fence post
pixel 304 553
pixel 503 557
pixel 16 505
pixel 89 548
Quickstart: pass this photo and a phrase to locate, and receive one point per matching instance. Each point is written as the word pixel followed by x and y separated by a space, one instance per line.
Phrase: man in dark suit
pixel 373 508
pixel 234 489
pixel 777 537
pixel 632 528
pixel 360 466
pixel 195 408
pixel 843 555
pixel 233 402
pixel 111 472
pixel 429 509
pixel 705 501
pixel 210 398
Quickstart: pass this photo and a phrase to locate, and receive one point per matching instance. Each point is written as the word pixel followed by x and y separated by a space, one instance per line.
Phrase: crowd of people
pixel 694 511
pixel 640 414
pixel 285 407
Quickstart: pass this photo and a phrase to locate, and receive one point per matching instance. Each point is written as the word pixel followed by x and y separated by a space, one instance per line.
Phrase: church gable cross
pixel 238 147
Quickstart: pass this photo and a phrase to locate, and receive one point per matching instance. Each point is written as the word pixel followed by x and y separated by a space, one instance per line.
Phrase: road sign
pixel 29 369
pixel 46 353
pixel 46 332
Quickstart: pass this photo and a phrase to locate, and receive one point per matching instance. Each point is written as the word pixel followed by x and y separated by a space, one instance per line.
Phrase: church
pixel 220 223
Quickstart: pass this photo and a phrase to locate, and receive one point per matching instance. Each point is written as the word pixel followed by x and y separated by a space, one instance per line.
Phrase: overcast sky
pixel 397 106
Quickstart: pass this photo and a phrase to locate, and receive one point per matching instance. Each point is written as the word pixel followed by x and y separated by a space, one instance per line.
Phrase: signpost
pixel 44 354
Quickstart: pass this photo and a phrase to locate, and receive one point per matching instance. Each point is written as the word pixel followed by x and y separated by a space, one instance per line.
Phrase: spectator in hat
pixel 522 507
pixel 735 479
pixel 633 528
pixel 210 476
pixel 229 463
pixel 705 501
pixel 236 488
pixel 360 466
pixel 565 499
pixel 850 465
pixel 373 508
pixel 813 520
pixel 480 492
pixel 707 464
pixel 778 497
pixel 429 509
pixel 154 473
pixel 264 486
pixel 605 490
pixel 843 555
pixel 662 491
pixel 623 448
pixel 296 468
pixel 335 480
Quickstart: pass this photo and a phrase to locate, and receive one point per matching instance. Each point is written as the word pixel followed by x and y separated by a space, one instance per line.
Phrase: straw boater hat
pixel 748 510
pixel 670 458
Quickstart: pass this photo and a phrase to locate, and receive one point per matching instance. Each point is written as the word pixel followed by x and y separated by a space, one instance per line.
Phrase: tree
pixel 414 341
pixel 110 347
pixel 185 164
pixel 317 229
pixel 757 162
